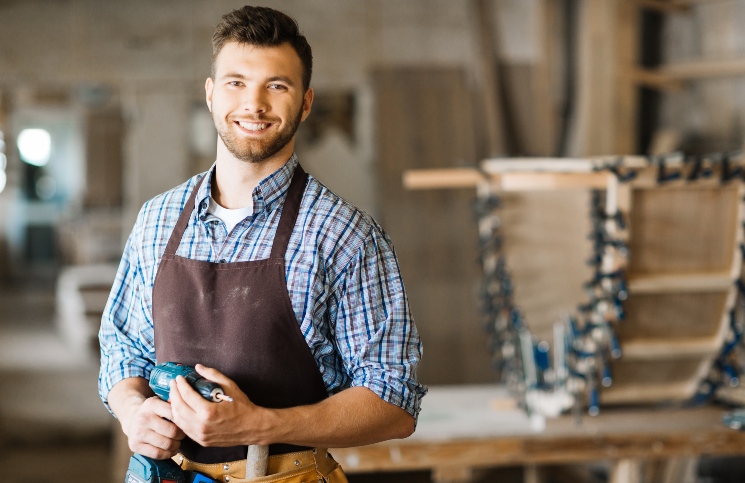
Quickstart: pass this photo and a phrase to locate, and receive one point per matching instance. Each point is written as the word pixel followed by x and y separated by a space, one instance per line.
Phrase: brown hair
pixel 262 27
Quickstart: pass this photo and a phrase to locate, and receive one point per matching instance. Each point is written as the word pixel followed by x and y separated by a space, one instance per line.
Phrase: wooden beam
pixel 550 181
pixel 672 76
pixel 512 181
pixel 421 179
pixel 665 349
pixel 653 78
pixel 671 6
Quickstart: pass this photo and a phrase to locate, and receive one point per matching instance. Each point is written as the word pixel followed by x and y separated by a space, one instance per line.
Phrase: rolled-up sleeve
pixel 125 341
pixel 375 331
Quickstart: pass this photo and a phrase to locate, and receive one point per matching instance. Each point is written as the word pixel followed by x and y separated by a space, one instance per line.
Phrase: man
pixel 289 296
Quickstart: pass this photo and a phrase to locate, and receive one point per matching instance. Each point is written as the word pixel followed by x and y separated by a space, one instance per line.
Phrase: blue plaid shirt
pixel 342 277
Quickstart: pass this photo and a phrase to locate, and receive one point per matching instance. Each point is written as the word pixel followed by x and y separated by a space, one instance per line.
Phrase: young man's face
pixel 257 100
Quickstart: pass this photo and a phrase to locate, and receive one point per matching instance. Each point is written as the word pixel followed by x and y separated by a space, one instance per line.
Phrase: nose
pixel 255 100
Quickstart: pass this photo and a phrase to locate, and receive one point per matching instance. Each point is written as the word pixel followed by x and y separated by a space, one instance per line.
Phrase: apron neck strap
pixel 178 231
pixel 290 211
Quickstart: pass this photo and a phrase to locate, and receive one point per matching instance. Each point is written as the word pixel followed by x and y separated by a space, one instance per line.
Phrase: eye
pixel 277 87
pixel 235 84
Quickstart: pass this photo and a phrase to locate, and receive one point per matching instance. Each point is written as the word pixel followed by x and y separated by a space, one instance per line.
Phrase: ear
pixel 209 86
pixel 307 103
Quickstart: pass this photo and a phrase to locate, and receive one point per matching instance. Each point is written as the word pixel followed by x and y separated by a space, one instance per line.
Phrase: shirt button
pixel 222 260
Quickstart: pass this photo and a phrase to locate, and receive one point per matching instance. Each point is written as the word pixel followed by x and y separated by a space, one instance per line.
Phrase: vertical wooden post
pixel 486 70
pixel 627 103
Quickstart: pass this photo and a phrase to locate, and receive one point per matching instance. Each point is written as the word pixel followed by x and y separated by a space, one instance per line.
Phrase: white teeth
pixel 252 126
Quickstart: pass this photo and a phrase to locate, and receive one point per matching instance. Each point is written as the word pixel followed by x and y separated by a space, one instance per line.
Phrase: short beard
pixel 245 151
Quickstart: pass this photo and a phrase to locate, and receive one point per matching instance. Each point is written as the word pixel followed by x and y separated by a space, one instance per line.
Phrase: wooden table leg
pixel 626 471
pixel 533 474
pixel 679 470
pixel 452 474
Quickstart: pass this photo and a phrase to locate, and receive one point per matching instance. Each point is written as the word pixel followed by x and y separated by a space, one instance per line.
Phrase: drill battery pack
pixel 147 470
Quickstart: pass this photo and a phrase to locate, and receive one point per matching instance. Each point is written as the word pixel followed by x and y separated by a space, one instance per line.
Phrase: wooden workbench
pixel 465 428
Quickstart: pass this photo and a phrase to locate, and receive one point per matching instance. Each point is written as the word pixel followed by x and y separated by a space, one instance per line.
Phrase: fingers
pixel 182 394
pixel 150 434
pixel 160 408
pixel 213 375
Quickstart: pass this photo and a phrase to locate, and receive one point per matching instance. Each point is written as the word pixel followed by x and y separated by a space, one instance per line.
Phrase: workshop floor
pixel 53 428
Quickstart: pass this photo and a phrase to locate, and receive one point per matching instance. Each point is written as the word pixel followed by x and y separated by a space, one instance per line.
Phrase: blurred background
pixel 102 107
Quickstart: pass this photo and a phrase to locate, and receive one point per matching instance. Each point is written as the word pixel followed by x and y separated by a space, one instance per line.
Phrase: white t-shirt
pixel 230 217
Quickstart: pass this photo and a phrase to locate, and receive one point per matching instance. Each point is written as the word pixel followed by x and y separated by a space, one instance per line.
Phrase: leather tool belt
pixel 301 467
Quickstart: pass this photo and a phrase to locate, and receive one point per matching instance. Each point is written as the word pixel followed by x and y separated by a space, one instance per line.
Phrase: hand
pixel 149 431
pixel 215 424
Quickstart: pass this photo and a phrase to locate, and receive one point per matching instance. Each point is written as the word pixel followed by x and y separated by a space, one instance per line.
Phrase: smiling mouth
pixel 253 126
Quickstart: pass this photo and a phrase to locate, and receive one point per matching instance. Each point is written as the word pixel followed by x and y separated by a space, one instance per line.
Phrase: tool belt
pixel 304 466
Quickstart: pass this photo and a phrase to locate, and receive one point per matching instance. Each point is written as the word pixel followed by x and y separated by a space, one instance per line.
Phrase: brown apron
pixel 238 318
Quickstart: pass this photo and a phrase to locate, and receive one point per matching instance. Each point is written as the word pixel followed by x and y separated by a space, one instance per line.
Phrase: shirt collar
pixel 269 192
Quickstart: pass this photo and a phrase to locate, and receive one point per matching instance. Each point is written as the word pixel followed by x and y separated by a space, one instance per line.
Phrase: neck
pixel 235 179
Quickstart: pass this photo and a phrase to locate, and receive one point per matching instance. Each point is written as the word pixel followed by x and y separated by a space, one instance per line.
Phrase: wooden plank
pixel 641 394
pixel 680 282
pixel 666 6
pixel 665 350
pixel 672 75
pixel 550 181
pixel 673 316
pixel 653 79
pixel 423 120
pixel 683 230
pixel 655 381
pixel 528 181
pixel 566 164
pixel 105 165
pixel 672 6
pixel 442 178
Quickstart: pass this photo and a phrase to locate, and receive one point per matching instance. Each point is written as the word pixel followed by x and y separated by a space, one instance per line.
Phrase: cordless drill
pixel 147 470
pixel 163 374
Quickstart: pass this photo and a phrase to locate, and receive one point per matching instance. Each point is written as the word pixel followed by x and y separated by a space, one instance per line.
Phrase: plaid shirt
pixel 342 277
